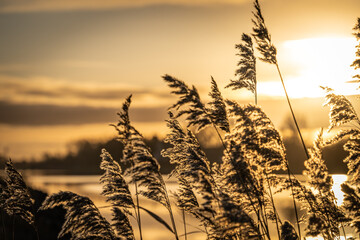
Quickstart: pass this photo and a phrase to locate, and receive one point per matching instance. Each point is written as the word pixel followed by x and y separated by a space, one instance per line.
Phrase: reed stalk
pixel 294 202
pixel 273 205
pixel 137 211
pixel 37 234
pixel 13 228
pixel 3 223
pixel 292 112
pixel 170 211
pixel 343 229
pixel 255 93
pixel 184 221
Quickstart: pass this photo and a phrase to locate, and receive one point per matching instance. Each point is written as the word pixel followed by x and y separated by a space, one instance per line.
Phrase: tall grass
pixel 232 199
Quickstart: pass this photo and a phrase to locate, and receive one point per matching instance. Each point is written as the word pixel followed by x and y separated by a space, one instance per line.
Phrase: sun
pixel 310 63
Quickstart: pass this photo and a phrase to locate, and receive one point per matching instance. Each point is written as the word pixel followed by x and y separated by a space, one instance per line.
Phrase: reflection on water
pixel 89 186
pixel 338 180
pixel 321 238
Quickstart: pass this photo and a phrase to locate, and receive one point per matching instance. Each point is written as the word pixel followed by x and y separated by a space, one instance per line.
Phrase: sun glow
pixel 310 63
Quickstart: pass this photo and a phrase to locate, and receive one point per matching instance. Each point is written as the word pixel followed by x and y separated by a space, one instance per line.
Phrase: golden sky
pixel 66 66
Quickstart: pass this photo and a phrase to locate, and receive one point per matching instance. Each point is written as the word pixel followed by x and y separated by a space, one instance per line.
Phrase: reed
pixel 232 199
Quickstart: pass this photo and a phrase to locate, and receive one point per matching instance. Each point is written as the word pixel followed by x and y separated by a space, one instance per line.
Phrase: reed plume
pixel 288 232
pixel 145 169
pixel 341 109
pixel 356 63
pixel 187 201
pixel 262 36
pixel 15 195
pixel 246 72
pixel 326 217
pixel 116 191
pixel 217 108
pixel 352 204
pixel 191 163
pixel 82 219
pixel 258 138
pixel 323 216
pixel 353 159
pixel 4 193
pixel 125 132
pixel 198 114
pixel 261 148
pixel 352 146
pixel 342 112
pixel 237 176
pixel 316 169
pixel 233 222
pixel 186 198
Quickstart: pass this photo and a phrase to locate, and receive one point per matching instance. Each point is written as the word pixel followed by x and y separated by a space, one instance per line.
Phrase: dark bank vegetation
pixel 233 197
pixel 86 153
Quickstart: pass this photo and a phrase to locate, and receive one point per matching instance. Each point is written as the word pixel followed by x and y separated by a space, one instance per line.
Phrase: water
pixel 88 185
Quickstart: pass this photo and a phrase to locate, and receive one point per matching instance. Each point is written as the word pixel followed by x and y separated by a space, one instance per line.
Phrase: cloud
pixel 40 101
pixel 46 114
pixel 70 5
pixel 40 90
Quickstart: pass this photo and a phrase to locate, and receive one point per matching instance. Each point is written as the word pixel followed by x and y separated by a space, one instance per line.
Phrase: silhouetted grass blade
pixel 157 218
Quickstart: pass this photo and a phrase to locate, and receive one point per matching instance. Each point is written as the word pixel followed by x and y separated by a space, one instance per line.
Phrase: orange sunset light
pixel 180 119
pixel 65 65
pixel 315 62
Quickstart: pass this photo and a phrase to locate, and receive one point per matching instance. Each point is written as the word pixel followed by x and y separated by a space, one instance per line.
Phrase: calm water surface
pixel 88 185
